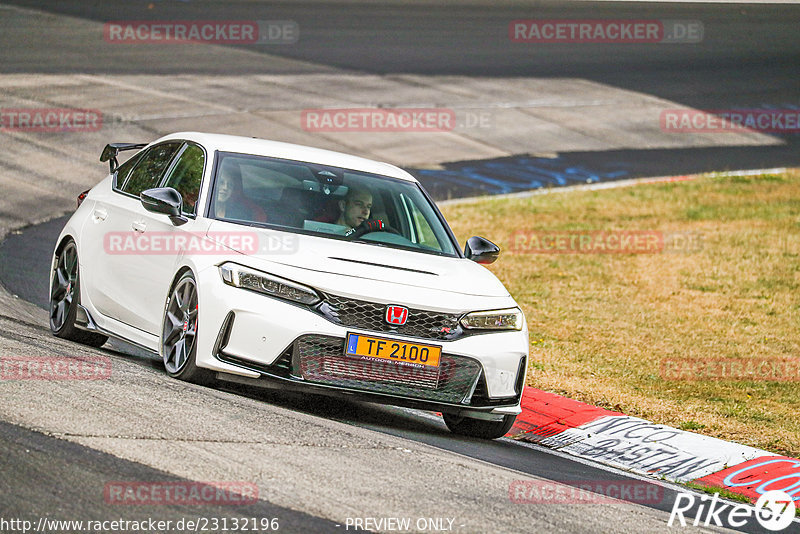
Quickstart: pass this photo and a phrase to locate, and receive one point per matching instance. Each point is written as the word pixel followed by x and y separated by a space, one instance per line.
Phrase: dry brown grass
pixel 600 324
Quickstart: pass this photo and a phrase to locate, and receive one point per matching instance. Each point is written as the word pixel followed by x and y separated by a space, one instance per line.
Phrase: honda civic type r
pixel 252 260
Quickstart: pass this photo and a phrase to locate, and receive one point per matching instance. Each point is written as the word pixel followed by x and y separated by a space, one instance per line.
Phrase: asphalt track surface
pixel 73 473
pixel 73 491
pixel 750 58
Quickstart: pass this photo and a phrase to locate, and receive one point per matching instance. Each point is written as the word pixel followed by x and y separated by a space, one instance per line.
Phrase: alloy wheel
pixel 63 289
pixel 180 325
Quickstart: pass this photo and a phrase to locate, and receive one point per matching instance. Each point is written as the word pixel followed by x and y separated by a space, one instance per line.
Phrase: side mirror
pixel 164 200
pixel 481 250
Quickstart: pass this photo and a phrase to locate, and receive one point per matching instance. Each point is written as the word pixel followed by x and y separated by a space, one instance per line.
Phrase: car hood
pixel 350 267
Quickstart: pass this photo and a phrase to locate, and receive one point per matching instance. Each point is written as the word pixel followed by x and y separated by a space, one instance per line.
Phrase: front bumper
pixel 257 336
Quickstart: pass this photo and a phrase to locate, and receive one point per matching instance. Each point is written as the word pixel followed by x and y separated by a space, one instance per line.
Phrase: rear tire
pixel 179 333
pixel 479 428
pixel 65 297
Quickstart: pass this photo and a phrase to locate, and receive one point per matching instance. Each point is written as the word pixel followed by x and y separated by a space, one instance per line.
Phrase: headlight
pixel 274 286
pixel 508 319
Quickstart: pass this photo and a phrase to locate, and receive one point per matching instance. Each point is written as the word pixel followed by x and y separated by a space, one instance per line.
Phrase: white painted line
pixel 760 2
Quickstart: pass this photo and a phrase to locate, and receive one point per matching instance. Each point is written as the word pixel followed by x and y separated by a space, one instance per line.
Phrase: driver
pixel 355 209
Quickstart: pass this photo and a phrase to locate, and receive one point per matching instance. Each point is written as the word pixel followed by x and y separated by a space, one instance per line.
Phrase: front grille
pixel 321 359
pixel 370 316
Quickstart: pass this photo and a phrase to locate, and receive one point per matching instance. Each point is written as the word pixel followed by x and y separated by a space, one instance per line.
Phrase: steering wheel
pixel 369 226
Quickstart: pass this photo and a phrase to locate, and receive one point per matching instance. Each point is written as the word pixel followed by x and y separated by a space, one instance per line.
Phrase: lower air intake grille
pixel 321 359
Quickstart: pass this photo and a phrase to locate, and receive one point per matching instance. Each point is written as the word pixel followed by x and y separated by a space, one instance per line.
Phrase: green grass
pixel 724 493
pixel 601 324
pixel 691 425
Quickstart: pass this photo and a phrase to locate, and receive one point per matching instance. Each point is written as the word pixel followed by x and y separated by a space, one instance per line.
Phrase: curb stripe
pixel 640 446
pixel 757 476
pixel 547 414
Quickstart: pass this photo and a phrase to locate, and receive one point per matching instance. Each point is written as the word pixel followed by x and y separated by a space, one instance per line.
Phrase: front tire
pixel 179 333
pixel 479 428
pixel 65 297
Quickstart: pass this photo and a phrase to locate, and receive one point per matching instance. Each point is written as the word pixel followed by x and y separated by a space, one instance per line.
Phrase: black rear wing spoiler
pixel 112 150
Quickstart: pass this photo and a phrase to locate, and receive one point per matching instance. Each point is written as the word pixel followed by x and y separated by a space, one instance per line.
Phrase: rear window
pixel 150 168
pixel 186 176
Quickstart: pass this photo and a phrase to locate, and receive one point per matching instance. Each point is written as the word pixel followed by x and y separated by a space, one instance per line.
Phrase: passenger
pixel 230 201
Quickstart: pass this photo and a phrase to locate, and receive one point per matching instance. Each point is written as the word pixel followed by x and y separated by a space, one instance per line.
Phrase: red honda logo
pixel 396 315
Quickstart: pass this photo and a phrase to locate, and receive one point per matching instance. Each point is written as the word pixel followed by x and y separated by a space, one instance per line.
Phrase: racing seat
pixel 296 206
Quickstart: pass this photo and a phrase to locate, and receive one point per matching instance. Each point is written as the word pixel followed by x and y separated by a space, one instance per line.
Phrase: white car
pixel 244 259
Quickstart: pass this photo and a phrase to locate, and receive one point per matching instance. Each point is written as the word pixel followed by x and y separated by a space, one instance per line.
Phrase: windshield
pixel 327 201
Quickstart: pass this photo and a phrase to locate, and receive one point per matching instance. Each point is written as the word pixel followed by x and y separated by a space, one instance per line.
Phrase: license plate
pixel 389 350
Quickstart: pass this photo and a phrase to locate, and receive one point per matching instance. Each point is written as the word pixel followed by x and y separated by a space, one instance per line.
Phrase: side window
pixel 424 233
pixel 125 169
pixel 187 175
pixel 151 166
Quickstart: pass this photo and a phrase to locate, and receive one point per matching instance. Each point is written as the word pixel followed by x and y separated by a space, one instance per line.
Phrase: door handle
pixel 139 226
pixel 99 214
